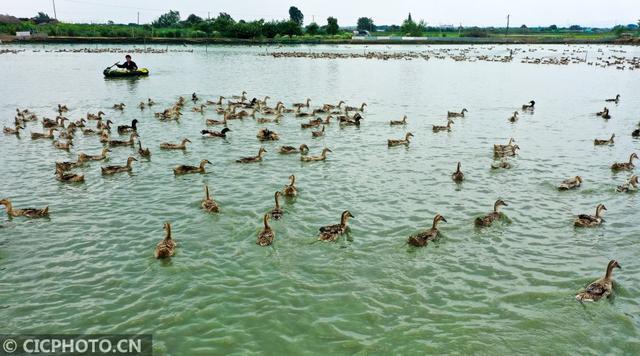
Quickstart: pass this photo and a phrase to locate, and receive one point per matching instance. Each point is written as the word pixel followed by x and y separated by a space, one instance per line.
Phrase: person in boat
pixel 128 65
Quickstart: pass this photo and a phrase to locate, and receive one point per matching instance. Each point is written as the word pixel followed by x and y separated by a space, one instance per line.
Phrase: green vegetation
pixel 170 25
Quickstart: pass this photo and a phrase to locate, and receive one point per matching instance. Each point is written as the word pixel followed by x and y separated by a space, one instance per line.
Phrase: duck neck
pixel 206 192
pixel 609 271
pixel 344 219
pixel 631 159
pixel 202 167
pixel 9 206
pixel 277 202
pixel 265 221
pixel 168 237
pixel 434 226
pixel 458 168
pixel 292 180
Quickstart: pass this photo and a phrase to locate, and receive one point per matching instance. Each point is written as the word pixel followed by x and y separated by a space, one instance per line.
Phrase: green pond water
pixel 508 289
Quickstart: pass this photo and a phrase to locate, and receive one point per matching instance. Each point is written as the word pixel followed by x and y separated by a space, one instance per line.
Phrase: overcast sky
pixel 468 12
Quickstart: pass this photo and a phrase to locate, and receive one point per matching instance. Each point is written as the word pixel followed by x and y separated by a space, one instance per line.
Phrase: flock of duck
pixel 239 108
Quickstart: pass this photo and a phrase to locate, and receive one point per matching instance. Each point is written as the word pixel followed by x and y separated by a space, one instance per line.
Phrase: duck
pixel 167 247
pixel 253 159
pixel 97 116
pixel 290 189
pixel 570 183
pixel 13 131
pixel 457 176
pixel 422 238
pixel 312 123
pixel 600 288
pixel 150 102
pixel 62 108
pixel 194 97
pixel 122 129
pixel 182 169
pixel 69 177
pixel 241 97
pixel 69 132
pixel 144 152
pixel 264 134
pixel 514 117
pixel 104 126
pixel 399 142
pixel 130 142
pixel 353 108
pixel 399 122
pixel 277 212
pixel 332 232
pixel 63 145
pixel 598 142
pixel 604 111
pixel 100 157
pixel 58 122
pixel 208 204
pixel 625 166
pixel 456 114
pixel 141 105
pixel 301 105
pixel 437 128
pixel 266 235
pixel 615 100
pixel 199 109
pixel 508 151
pixel 586 220
pixel 509 145
pixel 322 157
pixel 80 123
pixel 318 133
pixel 501 164
pixel 263 120
pixel 67 165
pixel 210 133
pixel 119 106
pixel 48 134
pixel 492 216
pixel 529 106
pixel 290 149
pixel 28 212
pixel 105 136
pixel 635 133
pixel 175 146
pixel 332 106
pixel 605 115
pixel 212 122
pixel 630 186
pixel 118 169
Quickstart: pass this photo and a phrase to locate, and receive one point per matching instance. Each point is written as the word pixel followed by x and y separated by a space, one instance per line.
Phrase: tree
pixel 223 23
pixel 169 19
pixel 553 28
pixel 42 18
pixel 289 28
pixel 409 17
pixel 296 15
pixel 193 20
pixel 366 24
pixel 312 28
pixel 332 26
pixel 411 28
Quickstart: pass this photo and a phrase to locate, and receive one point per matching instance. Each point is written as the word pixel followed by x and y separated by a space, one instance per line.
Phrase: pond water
pixel 504 289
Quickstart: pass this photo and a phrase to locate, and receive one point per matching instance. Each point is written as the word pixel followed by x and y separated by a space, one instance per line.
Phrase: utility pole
pixel 138 18
pixel 55 16
pixel 507 32
pixel 208 15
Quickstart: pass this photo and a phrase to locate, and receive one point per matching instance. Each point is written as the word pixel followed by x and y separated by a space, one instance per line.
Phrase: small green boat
pixel 119 73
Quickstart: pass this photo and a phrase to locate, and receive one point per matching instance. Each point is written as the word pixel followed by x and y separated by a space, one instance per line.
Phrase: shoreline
pixel 359 41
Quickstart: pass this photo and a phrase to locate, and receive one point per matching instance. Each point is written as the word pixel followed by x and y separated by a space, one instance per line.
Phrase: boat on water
pixel 120 73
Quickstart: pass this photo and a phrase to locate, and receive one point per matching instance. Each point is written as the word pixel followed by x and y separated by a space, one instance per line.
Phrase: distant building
pixel 447 27
pixel 361 33
pixel 21 35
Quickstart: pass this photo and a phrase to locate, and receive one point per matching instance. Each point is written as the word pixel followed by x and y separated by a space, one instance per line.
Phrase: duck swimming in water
pixel 457 176
pixel 514 117
pixel 108 170
pixel 332 232
pixel 456 114
pixel 266 235
pixel 38 135
pixel 585 220
pixel 603 112
pixel 492 216
pixel 600 288
pixel 267 135
pixel 13 131
pixel 28 212
pixel 144 152
pixel 211 133
pixel 399 142
pixel 529 106
pixel 598 142
pixel 322 157
pixel 208 204
pixel 437 128
pixel 290 149
pixel 253 159
pixel 422 238
pixel 119 107
pixel 290 189
pixel 64 176
pixel 625 166
pixel 277 212
pixel 399 122
pixel 570 183
pixel 130 142
pixel 630 186
pixel 122 129
pixel 167 247
pixel 615 100
pixel 318 133
pixel 175 146
pixel 182 169
pixel 100 157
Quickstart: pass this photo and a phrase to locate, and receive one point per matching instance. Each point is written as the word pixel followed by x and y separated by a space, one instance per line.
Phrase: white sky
pixel 603 13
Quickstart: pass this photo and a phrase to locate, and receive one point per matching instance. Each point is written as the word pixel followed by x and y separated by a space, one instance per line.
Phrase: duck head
pixel 345 217
pixel 498 204
pixel 225 130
